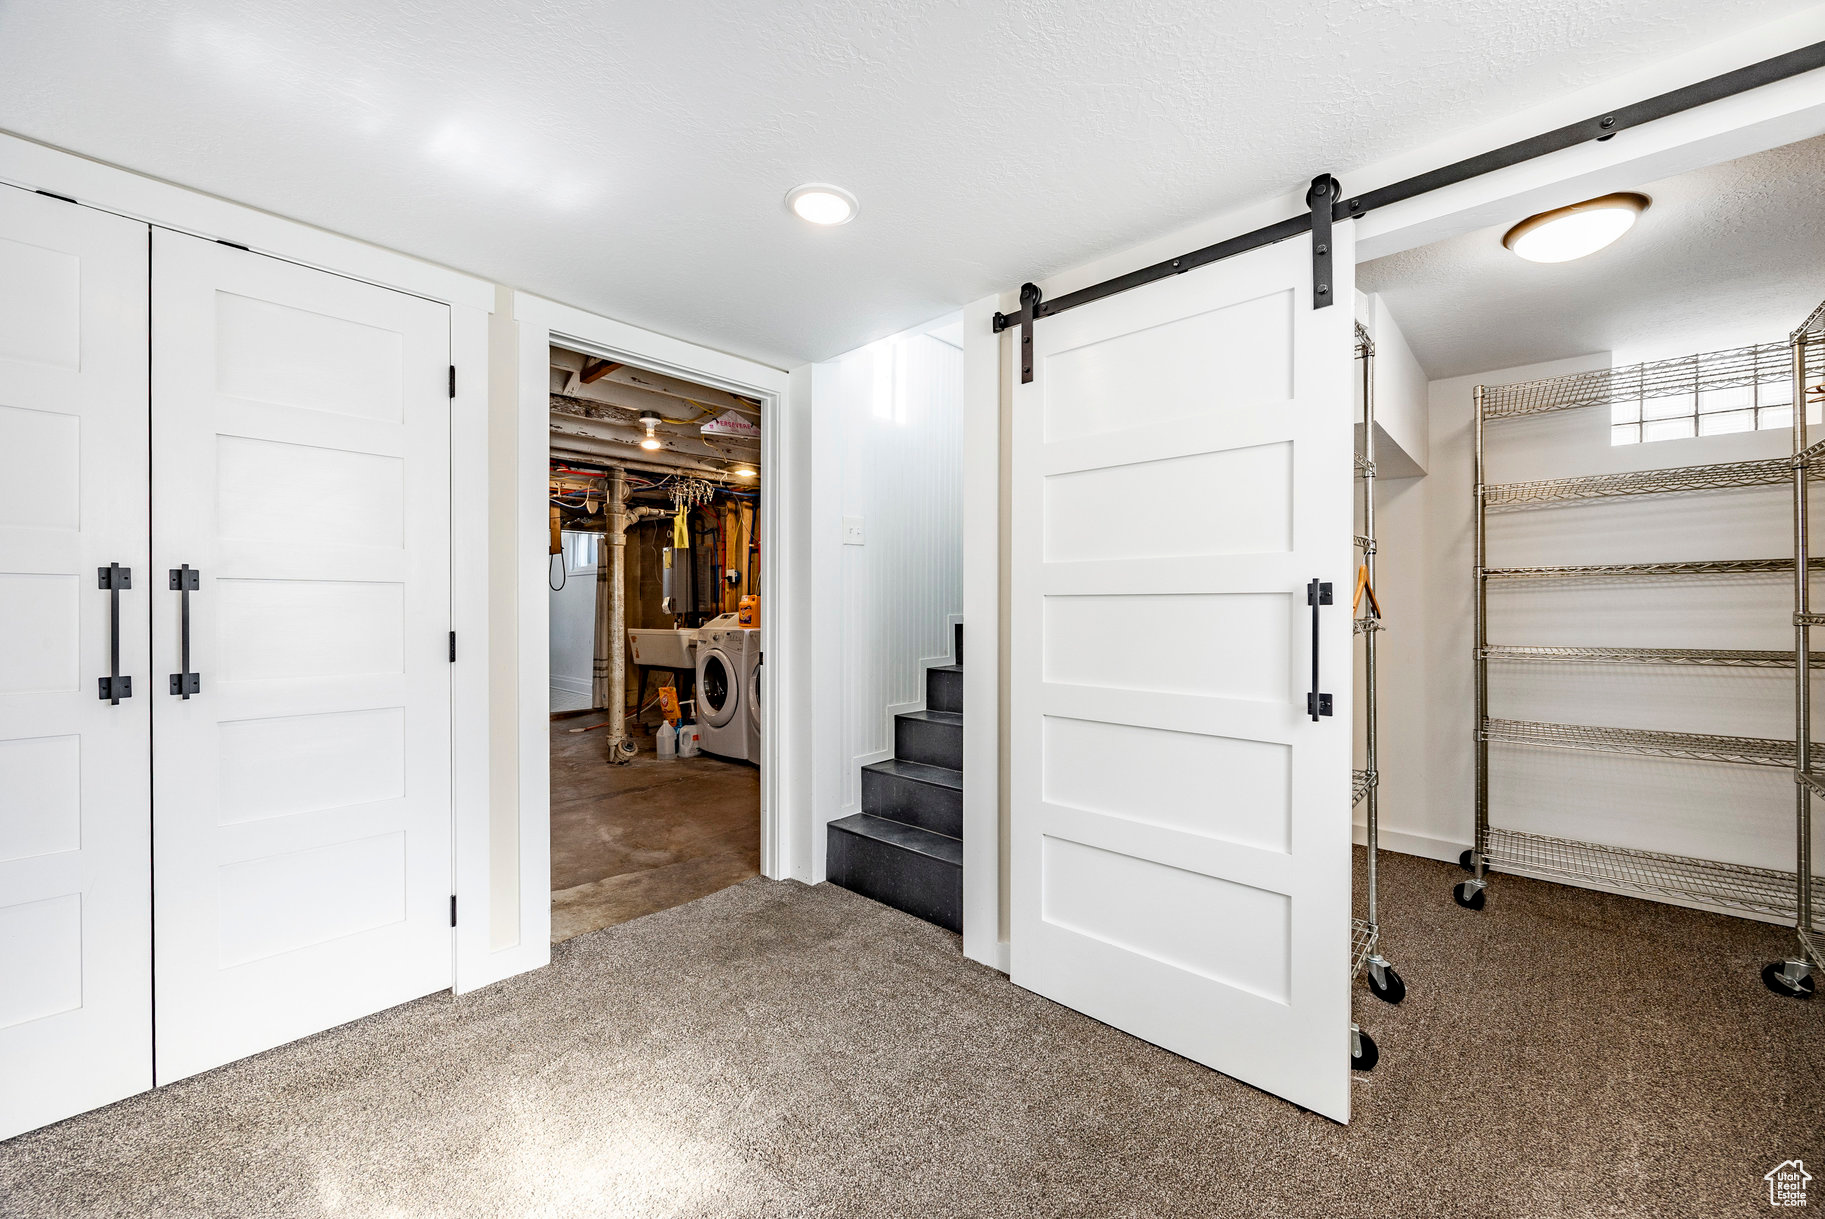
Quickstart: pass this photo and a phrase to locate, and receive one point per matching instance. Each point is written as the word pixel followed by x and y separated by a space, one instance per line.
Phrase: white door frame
pixel 1738 126
pixel 785 823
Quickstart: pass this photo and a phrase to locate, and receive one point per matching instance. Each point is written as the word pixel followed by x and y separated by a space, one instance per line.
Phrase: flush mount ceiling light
pixel 821 203
pixel 652 440
pixel 1572 232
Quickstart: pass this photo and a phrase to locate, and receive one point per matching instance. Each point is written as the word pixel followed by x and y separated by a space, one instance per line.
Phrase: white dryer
pixel 722 678
pixel 753 706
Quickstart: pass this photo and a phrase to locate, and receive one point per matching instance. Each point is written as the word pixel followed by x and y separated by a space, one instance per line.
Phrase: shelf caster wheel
pixel 1468 894
pixel 1789 979
pixel 1385 984
pixel 1363 1054
pixel 1467 861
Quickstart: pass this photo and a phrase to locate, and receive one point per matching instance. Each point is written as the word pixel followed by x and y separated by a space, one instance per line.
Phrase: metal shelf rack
pixel 1773 471
pixel 1692 746
pixel 1644 873
pixel 1722 658
pixel 1365 937
pixel 1798 975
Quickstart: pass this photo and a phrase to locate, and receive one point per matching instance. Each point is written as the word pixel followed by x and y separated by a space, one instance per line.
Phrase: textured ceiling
pixel 631 158
pixel 1727 255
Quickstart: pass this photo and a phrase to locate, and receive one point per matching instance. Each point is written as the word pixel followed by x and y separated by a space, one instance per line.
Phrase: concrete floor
pixel 630 840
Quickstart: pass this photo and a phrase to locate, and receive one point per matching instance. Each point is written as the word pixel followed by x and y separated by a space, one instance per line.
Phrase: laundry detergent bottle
pixel 688 739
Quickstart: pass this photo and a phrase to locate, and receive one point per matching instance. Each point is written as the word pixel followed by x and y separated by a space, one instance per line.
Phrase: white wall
pixel 887 446
pixel 1736 813
pixel 1401 394
pixel 573 630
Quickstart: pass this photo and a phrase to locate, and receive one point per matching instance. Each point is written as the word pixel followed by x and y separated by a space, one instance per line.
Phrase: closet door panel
pixel 300 457
pixel 75 844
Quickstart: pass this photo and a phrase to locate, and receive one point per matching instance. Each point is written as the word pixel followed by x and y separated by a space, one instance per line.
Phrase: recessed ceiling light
pixel 821 203
pixel 652 440
pixel 1572 232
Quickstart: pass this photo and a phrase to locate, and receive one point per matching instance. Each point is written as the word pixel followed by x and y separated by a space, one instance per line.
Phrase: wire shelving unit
pixel 1366 958
pixel 1797 975
pixel 1759 891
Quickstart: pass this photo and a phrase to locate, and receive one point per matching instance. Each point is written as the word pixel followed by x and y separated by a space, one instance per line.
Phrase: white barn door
pixel 300 468
pixel 1181 828
pixel 75 837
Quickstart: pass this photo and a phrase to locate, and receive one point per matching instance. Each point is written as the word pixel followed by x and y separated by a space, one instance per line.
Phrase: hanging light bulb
pixel 652 439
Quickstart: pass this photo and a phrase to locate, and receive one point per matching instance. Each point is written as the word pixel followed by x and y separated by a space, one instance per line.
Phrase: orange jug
pixel 748 613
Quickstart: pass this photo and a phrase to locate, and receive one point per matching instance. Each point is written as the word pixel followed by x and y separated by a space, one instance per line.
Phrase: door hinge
pixel 453 380
pixel 453 909
pixel 452 647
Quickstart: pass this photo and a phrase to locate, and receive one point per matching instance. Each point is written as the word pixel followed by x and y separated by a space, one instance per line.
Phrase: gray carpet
pixel 776 1050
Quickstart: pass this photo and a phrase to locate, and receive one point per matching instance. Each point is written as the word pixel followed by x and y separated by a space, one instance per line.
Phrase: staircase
pixel 905 848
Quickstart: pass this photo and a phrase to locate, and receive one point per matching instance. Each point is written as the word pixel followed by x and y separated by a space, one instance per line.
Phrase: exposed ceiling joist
pixel 673 387
pixel 602 375
pixel 630 397
pixel 614 423
pixel 574 446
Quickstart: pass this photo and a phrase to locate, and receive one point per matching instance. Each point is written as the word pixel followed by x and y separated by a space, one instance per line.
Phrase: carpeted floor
pixel 777 1050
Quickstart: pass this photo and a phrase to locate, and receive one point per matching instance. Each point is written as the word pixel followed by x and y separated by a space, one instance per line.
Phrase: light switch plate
pixel 852 531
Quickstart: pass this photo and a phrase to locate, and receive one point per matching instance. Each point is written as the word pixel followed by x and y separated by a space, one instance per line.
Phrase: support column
pixel 608 685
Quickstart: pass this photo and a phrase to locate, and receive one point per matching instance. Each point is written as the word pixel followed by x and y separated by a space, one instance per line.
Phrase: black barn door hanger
pixel 1328 203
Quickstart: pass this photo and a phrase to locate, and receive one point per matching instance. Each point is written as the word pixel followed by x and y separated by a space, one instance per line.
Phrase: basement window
pixel 581 551
pixel 1667 410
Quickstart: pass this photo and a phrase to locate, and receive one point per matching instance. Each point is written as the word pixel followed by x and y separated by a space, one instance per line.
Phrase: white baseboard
pixel 1423 845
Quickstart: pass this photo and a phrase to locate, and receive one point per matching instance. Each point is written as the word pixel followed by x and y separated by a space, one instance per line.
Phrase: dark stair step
pixel 929 797
pixel 944 688
pixel 932 737
pixel 899 865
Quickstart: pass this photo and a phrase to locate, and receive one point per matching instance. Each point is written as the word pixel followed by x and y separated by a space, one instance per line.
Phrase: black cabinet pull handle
pixel 184 581
pixel 114 578
pixel 1317 704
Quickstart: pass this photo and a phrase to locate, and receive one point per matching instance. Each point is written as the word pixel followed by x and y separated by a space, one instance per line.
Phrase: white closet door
pixel 1180 826
pixel 300 465
pixel 75 840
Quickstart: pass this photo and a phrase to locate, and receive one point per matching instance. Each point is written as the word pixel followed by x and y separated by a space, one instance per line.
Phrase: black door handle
pixel 184 581
pixel 1317 704
pixel 114 578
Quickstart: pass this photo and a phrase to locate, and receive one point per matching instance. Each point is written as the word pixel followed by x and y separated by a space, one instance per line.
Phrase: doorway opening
pixel 656 686
pixel 1583 462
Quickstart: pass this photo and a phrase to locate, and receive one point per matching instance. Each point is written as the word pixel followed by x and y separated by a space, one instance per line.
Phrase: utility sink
pixel 664 649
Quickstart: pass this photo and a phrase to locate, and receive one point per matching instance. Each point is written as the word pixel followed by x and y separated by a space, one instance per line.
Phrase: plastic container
pixel 689 742
pixel 749 612
pixel 667 741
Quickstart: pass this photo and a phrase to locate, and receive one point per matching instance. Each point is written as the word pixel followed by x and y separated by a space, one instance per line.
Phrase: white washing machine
pixel 723 674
